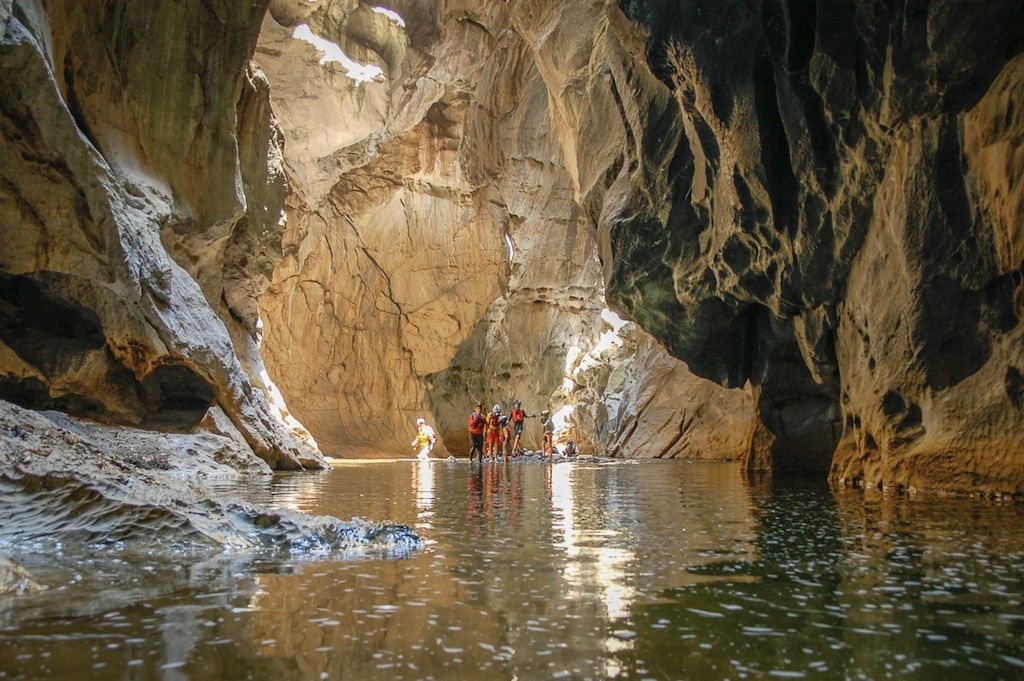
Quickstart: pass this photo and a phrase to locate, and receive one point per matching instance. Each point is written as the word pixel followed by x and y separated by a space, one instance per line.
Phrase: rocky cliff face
pixel 435 252
pixel 141 194
pixel 815 206
pixel 818 198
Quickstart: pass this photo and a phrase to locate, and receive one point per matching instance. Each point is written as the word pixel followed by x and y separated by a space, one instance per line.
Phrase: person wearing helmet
pixel 493 432
pixel 505 423
pixel 477 421
pixel 549 433
pixel 424 440
pixel 519 417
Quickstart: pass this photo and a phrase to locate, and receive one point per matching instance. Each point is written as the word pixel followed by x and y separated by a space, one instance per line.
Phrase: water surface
pixel 658 570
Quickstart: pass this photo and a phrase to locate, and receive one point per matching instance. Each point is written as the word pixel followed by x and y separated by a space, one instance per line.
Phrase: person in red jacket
pixel 477 421
pixel 494 432
pixel 519 417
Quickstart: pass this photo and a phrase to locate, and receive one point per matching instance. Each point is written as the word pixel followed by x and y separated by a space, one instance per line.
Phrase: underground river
pixel 658 570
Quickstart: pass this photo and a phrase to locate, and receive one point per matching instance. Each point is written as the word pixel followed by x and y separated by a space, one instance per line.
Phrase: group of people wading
pixel 493 434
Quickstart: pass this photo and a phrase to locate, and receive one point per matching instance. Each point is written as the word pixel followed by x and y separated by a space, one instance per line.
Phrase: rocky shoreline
pixel 67 481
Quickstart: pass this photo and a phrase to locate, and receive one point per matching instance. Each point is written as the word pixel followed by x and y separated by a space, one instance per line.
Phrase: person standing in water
pixel 506 435
pixel 494 432
pixel 519 417
pixel 424 441
pixel 549 433
pixel 477 421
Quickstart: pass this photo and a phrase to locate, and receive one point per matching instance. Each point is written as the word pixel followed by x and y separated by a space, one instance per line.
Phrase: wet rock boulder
pixel 73 481
pixel 15 579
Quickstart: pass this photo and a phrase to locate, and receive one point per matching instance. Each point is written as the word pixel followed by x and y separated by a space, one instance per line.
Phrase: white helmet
pixel 420 422
pixel 496 409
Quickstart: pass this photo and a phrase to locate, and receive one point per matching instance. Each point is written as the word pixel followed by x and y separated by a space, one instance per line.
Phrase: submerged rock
pixel 15 579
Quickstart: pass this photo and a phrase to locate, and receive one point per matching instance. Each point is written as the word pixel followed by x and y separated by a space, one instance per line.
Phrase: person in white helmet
pixel 424 441
pixel 494 432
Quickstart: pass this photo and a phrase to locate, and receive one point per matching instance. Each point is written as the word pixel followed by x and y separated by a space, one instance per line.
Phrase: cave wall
pixel 814 205
pixel 435 252
pixel 817 198
pixel 140 197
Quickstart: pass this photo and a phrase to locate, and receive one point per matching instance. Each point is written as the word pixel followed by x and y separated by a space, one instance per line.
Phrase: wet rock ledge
pixel 65 480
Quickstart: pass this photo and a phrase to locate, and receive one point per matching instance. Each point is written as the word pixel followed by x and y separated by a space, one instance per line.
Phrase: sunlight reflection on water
pixel 660 570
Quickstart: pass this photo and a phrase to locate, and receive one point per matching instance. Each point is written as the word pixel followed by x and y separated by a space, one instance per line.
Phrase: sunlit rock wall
pixel 436 252
pixel 140 197
pixel 390 256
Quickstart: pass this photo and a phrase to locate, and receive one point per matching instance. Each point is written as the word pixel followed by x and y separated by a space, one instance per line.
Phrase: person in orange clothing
pixel 506 435
pixel 549 433
pixel 494 432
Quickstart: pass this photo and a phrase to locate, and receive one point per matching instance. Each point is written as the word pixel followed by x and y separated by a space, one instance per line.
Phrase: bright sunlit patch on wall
pixel 561 418
pixel 390 14
pixel 613 319
pixel 511 248
pixel 570 364
pixel 331 52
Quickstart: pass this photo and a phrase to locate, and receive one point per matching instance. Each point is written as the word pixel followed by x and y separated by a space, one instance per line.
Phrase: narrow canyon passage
pixel 756 269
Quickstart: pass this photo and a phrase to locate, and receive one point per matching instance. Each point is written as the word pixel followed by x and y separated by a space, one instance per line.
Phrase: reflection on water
pixel 655 570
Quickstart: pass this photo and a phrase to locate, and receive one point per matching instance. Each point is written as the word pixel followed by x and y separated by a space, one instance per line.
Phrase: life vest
pixel 425 436
pixel 476 424
pixel 518 415
pixel 493 422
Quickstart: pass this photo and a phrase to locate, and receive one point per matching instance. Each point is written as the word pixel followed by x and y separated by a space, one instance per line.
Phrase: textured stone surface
pixel 135 255
pixel 815 204
pixel 389 260
pixel 78 483
pixel 657 408
pixel 436 252
pixel 819 199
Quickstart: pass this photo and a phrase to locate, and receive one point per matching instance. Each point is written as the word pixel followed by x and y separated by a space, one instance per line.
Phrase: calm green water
pixel 657 570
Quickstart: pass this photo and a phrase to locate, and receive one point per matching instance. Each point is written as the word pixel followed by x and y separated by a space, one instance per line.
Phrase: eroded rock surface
pixel 436 251
pixel 142 189
pixel 66 480
pixel 814 205
pixel 829 188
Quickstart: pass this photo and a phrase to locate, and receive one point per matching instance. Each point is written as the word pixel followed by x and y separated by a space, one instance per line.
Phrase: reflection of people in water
pixel 474 499
pixel 493 491
pixel 423 483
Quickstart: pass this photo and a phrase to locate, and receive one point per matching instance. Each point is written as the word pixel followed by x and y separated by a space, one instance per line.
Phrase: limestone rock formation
pixel 140 194
pixel 818 199
pixel 70 481
pixel 435 252
pixel 652 406
pixel 403 209
pixel 389 260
